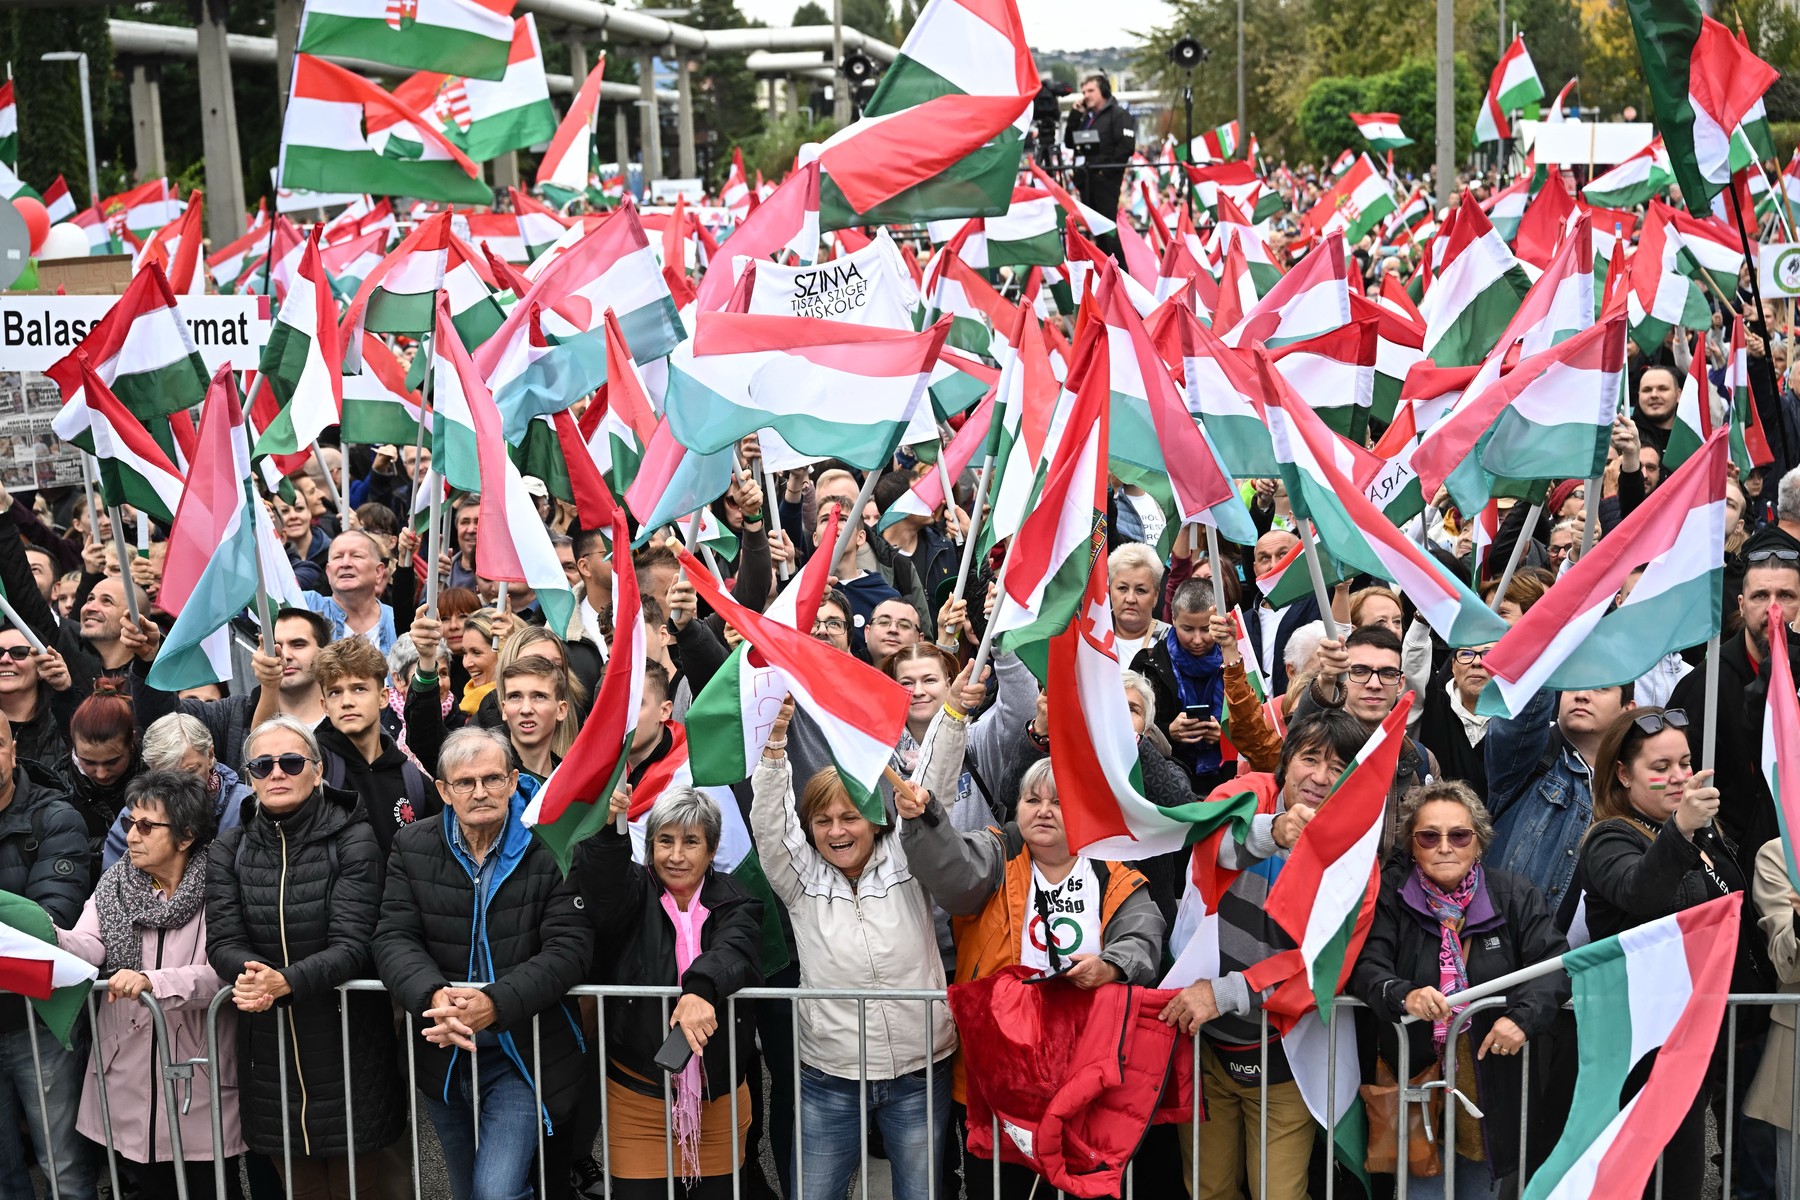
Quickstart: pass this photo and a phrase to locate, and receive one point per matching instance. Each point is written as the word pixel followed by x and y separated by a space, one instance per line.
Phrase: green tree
pixel 1325 113
pixel 873 17
pixel 725 111
pixel 810 14
pixel 51 139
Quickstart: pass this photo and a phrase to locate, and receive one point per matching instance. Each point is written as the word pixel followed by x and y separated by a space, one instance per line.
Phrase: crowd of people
pixel 353 808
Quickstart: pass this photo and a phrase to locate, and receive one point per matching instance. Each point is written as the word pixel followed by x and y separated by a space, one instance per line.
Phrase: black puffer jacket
pixel 637 946
pixel 302 895
pixel 535 945
pixel 44 856
pixel 1508 926
pixel 380 784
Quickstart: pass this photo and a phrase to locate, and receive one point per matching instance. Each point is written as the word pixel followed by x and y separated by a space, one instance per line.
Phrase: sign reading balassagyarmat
pixel 36 331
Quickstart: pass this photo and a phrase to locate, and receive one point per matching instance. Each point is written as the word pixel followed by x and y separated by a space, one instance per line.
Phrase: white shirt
pixel 1658 683
pixel 1474 726
pixel 1271 626
pixel 1074 908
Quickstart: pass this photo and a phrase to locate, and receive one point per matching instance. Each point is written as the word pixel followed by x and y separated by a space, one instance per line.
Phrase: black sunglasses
pixel 1652 723
pixel 263 765
pixel 16 653
pixel 1763 556
pixel 144 825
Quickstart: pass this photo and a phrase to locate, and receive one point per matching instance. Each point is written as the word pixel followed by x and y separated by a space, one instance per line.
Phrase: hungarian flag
pixel 611 267
pixel 1028 233
pixel 859 710
pixel 942 135
pixel 470 449
pixel 143 350
pixel 231 262
pixel 9 127
pixel 1549 418
pixel 344 134
pixel 1025 403
pixel 1662 987
pixel 302 360
pixel 619 421
pixel 219 531
pixel 1579 635
pixel 1358 202
pixel 926 495
pixel 742 372
pixel 732 715
pixel 486 118
pixel 133 468
pixel 1545 219
pixel 953 288
pixel 1781 742
pixel 1399 343
pixel 1312 298
pixel 1353 530
pixel 1703 82
pixel 1221 390
pixel 1693 412
pixel 1513 85
pixel 1749 447
pixel 1381 130
pixel 573 804
pixel 1217 144
pixel 1660 295
pixel 421 34
pixel 1633 181
pixel 379 409
pixel 1478 289
pixel 177 247
pixel 674 482
pixel 1336 372
pixel 32 965
pixel 735 195
pixel 139 212
pixel 1343 162
pixel 58 204
pixel 567 168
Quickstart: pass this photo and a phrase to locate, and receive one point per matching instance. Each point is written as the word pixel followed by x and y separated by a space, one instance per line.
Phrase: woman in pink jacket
pixel 145 928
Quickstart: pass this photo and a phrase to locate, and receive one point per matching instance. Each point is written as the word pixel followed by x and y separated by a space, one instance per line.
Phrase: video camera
pixel 1046 121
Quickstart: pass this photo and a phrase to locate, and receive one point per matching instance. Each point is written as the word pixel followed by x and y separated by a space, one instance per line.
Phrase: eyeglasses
pixel 1467 657
pixel 263 765
pixel 1389 676
pixel 1763 556
pixel 489 783
pixel 1653 723
pixel 900 623
pixel 145 826
pixel 16 653
pixel 1428 839
pixel 830 625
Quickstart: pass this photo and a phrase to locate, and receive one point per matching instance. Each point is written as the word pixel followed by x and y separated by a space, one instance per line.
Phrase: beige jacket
pixel 1771 1093
pixel 875 936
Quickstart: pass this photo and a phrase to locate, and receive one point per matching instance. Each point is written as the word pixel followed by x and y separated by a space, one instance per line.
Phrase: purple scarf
pixel 1450 908
pixel 690 1083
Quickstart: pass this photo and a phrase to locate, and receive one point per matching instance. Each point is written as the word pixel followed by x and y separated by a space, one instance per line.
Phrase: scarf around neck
pixel 1450 909
pixel 1196 675
pixel 690 1080
pixel 128 903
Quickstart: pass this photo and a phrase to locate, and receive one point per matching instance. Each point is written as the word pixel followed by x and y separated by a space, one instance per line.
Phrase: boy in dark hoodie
pixel 358 755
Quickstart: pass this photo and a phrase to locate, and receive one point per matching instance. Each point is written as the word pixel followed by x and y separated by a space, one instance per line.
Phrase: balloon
pixel 37 219
pixel 65 240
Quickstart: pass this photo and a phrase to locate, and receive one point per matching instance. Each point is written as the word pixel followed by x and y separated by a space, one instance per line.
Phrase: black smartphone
pixel 1198 712
pixel 675 1051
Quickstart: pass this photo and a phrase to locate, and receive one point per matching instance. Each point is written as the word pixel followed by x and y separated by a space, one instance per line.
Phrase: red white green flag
pixel 422 34
pixel 32 965
pixel 133 468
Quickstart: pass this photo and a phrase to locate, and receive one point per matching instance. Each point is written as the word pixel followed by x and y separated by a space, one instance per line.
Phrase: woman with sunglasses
pixel 145 928
pixel 1655 849
pixel 292 898
pixel 1444 923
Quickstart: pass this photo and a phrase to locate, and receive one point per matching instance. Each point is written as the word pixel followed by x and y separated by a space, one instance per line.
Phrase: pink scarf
pixel 1450 909
pixel 690 1083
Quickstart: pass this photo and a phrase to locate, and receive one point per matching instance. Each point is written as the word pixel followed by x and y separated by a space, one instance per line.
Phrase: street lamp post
pixel 80 59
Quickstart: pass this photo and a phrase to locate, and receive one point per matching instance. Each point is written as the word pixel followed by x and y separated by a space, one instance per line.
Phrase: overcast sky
pixel 1050 24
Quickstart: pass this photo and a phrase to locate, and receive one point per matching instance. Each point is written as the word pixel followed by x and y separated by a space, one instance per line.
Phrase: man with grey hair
pixel 179 742
pixel 356 571
pixel 472 896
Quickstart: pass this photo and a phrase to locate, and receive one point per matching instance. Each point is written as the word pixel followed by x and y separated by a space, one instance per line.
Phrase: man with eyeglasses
pixel 1363 677
pixel 1450 725
pixel 1747 811
pixel 893 627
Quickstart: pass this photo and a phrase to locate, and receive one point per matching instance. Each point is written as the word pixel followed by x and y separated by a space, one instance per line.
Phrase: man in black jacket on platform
pixel 472 896
pixel 1100 131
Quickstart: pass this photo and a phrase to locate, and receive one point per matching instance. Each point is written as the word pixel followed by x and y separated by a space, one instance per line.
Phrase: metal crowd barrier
pixel 169 1072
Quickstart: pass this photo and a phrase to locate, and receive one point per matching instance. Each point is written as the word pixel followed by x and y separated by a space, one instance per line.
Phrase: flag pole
pixel 1311 551
pixel 331 487
pixel 434 544
pixel 976 506
pixel 1737 211
pixel 1496 987
pixel 143 534
pixel 943 471
pixel 772 512
pixel 1518 552
pixel 87 487
pixel 987 635
pixel 124 552
pixel 500 604
pixel 1212 556
pixel 19 624
pixel 1709 712
pixel 853 519
pixel 264 621
pixel 1591 524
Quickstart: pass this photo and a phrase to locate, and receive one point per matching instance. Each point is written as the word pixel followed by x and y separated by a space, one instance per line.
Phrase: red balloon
pixel 37 219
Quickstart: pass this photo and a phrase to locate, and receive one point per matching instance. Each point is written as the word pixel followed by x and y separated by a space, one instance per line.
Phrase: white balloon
pixel 65 240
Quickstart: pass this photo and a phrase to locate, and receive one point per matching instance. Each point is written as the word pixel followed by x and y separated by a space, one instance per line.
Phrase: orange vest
pixel 990 939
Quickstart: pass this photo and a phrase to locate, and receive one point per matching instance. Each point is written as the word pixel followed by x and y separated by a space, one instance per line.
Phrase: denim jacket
pixel 1539 795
